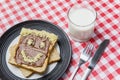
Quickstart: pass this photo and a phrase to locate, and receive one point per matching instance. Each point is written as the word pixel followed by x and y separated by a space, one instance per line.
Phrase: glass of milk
pixel 81 22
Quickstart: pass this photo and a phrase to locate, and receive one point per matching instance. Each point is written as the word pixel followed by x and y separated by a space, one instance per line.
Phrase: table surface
pixel 107 27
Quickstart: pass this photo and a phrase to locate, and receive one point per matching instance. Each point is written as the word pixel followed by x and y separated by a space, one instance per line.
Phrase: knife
pixel 95 58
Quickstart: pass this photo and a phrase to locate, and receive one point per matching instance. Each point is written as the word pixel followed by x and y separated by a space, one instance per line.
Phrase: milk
pixel 81 23
pixel 82 17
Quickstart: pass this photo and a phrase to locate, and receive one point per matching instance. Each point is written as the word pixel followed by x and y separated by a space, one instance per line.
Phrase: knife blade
pixel 96 58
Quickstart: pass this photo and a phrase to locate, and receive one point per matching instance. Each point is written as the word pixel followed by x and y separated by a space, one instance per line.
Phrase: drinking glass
pixel 81 23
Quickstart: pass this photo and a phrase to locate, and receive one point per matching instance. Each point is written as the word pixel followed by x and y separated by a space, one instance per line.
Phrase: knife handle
pixel 87 72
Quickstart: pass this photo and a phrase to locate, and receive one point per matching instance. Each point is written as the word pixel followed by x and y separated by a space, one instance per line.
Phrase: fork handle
pixel 73 74
pixel 87 72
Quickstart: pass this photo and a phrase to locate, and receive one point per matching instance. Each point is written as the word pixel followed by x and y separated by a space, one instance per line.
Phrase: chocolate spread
pixel 32 50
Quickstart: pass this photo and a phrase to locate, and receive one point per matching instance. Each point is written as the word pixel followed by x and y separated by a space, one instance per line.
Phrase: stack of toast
pixel 34 51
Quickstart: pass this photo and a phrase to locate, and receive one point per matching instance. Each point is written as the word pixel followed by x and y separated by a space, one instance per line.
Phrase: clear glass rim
pixel 81 7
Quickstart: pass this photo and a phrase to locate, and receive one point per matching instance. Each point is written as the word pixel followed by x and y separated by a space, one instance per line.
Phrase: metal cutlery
pixel 95 59
pixel 83 58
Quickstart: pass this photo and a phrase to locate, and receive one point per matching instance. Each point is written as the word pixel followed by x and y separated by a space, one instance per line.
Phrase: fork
pixel 85 55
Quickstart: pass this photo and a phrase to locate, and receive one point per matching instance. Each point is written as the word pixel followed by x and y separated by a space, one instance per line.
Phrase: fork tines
pixel 88 49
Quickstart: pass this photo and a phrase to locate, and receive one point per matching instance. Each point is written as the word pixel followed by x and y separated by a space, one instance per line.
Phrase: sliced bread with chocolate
pixel 33 50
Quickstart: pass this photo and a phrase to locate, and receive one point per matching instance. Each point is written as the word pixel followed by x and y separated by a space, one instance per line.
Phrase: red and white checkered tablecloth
pixel 55 11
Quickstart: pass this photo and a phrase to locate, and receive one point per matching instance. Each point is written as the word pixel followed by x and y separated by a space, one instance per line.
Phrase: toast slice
pixel 33 58
pixel 54 57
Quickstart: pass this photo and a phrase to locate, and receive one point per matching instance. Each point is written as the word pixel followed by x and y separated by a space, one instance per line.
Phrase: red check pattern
pixel 55 11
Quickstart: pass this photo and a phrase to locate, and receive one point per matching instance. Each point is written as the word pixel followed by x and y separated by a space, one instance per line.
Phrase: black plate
pixel 13 32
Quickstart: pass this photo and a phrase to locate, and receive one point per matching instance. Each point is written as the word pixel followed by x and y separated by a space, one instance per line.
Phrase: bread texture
pixel 40 69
